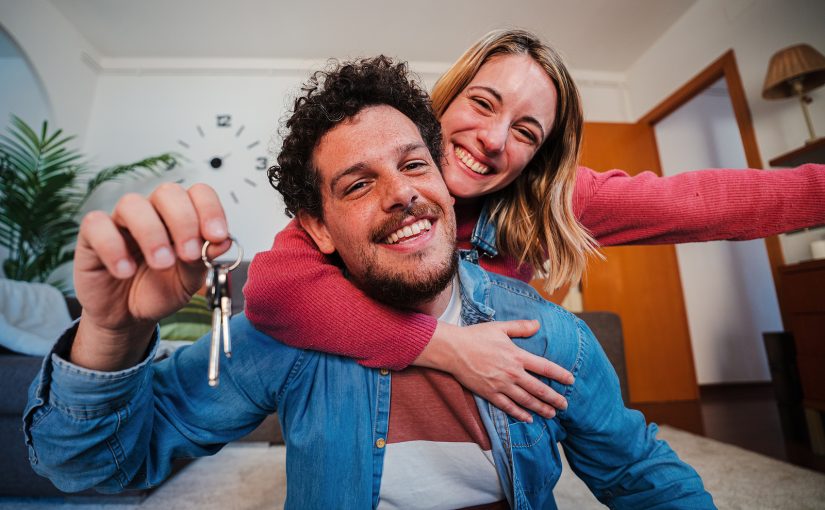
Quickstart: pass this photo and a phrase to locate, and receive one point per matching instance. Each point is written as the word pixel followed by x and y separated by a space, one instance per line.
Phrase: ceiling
pixel 598 35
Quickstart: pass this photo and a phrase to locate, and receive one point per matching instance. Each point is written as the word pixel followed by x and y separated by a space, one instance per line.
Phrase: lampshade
pixel 795 62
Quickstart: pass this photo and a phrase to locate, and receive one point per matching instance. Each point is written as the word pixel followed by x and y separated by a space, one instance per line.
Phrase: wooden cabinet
pixel 802 299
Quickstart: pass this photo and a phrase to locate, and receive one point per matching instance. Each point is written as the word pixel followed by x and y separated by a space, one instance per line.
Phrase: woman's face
pixel 494 127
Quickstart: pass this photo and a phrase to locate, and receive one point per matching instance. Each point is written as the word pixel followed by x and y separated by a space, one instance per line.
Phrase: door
pixel 640 283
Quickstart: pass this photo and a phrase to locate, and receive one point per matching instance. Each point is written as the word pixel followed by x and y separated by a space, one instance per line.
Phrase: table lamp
pixel 794 71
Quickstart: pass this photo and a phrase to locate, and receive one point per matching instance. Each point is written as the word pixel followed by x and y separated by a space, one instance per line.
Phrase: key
pixel 219 299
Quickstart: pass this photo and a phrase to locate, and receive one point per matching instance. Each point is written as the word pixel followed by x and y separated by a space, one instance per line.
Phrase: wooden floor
pixel 744 415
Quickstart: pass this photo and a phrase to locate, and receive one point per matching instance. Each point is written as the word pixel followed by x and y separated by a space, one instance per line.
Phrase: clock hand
pixel 219 157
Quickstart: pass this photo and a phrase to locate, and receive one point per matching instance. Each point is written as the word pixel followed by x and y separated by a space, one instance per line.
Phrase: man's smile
pixel 409 231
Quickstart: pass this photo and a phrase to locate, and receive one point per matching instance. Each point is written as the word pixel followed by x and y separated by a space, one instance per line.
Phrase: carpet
pixel 250 476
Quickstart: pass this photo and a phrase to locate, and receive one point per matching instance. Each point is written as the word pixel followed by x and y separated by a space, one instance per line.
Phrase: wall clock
pixel 222 152
pixel 231 156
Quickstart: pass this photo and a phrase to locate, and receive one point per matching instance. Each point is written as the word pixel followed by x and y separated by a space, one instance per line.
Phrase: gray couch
pixel 17 371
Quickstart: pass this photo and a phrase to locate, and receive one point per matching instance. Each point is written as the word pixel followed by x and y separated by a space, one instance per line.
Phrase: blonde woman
pixel 512 125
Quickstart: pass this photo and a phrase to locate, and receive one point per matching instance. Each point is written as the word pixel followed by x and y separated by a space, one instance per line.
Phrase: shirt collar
pixel 484 233
pixel 475 293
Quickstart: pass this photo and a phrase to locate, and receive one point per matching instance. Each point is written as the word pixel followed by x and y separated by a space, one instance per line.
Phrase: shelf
pixel 813 152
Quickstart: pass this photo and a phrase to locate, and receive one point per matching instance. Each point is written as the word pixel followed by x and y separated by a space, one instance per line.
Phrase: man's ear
pixel 317 230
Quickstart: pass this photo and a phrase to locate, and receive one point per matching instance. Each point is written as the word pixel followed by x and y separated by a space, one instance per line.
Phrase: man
pixel 358 169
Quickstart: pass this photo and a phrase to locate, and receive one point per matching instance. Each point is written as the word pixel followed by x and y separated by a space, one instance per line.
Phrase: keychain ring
pixel 235 264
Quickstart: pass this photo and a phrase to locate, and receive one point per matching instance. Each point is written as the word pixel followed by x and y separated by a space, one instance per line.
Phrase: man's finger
pixel 134 213
pixel 211 216
pixel 520 328
pixel 100 234
pixel 178 214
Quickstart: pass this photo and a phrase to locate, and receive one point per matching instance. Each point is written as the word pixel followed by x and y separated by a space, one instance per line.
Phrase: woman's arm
pixel 298 295
pixel 702 205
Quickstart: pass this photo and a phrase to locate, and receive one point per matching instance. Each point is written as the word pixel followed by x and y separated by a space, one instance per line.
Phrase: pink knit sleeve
pixel 298 295
pixel 703 205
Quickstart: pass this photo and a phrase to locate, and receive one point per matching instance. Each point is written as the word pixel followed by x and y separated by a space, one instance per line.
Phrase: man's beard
pixel 410 290
pixel 407 289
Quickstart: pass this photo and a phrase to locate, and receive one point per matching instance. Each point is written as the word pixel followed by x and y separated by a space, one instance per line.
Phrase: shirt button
pixel 384 371
pixel 380 443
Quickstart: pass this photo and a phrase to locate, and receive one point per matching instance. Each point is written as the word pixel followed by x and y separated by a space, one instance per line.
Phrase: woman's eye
pixel 483 103
pixel 526 133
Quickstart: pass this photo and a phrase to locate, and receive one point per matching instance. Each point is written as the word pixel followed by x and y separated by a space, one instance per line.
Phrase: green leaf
pixel 42 197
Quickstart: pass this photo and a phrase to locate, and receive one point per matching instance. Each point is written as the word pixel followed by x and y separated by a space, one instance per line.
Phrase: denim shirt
pixel 116 430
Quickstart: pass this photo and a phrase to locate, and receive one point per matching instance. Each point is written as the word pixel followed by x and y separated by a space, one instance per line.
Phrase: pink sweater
pixel 298 295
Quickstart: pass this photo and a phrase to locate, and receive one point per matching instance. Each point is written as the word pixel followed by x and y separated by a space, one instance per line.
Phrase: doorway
pixel 728 288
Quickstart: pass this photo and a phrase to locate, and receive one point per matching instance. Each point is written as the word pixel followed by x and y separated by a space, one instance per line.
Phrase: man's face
pixel 386 209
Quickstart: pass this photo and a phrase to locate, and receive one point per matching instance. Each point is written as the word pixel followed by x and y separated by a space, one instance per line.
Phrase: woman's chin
pixel 463 188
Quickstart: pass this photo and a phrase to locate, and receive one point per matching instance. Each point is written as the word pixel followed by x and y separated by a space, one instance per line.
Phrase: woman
pixel 512 126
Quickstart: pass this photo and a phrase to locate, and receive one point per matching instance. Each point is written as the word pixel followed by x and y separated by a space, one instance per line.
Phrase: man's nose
pixel 493 136
pixel 398 193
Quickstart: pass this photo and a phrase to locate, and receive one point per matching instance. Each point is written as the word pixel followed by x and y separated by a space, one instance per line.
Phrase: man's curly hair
pixel 332 96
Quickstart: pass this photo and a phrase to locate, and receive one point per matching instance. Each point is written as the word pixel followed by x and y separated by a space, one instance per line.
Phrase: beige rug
pixel 250 476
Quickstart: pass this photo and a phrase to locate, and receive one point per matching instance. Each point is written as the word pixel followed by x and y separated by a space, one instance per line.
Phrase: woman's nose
pixel 493 136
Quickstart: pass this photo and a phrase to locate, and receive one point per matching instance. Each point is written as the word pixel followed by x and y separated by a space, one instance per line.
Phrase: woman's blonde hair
pixel 534 214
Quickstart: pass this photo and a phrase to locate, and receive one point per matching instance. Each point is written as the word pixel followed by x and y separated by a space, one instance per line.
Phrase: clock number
pixel 261 164
pixel 224 120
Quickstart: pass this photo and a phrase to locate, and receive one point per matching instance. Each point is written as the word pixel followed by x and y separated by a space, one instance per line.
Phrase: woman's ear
pixel 317 230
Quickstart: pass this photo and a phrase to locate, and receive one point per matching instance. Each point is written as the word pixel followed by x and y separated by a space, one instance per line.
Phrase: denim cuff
pixel 84 392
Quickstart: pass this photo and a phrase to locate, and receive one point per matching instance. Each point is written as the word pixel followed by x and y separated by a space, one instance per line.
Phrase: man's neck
pixel 436 306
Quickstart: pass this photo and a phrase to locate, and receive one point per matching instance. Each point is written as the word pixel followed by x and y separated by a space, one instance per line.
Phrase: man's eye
pixel 415 165
pixel 355 187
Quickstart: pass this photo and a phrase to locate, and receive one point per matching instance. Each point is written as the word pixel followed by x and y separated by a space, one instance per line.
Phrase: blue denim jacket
pixel 120 430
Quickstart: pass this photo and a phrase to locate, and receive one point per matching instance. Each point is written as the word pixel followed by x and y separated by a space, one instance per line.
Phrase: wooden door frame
pixel 724 67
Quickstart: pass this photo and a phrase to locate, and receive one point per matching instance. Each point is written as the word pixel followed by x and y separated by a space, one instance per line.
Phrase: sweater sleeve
pixel 300 296
pixel 702 205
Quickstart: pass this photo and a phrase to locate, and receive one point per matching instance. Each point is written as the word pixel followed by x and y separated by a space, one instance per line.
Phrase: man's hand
pixel 484 359
pixel 138 265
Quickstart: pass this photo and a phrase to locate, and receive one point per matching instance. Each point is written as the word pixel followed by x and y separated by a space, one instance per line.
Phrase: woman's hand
pixel 484 359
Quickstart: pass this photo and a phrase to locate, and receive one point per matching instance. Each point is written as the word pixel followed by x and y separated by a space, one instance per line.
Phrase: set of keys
pixel 219 299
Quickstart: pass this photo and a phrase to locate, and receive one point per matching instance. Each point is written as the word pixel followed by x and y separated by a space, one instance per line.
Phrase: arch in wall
pixel 23 92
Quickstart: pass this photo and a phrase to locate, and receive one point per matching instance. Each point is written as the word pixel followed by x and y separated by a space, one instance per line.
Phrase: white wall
pixel 58 55
pixel 137 116
pixel 728 287
pixel 755 29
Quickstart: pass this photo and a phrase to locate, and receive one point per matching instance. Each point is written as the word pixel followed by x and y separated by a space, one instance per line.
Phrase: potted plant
pixel 43 187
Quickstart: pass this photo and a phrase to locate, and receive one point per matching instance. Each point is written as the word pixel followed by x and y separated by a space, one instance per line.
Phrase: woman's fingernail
pixel 163 257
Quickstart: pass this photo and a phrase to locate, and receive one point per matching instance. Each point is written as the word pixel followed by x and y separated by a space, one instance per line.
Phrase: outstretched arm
pixel 702 205
pixel 300 296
